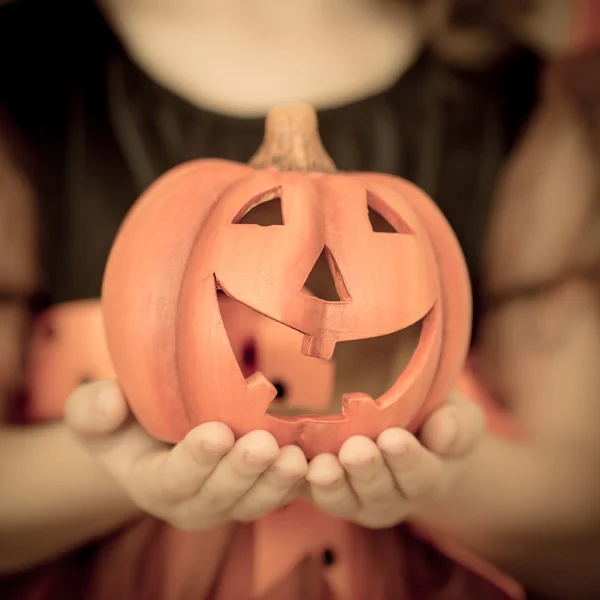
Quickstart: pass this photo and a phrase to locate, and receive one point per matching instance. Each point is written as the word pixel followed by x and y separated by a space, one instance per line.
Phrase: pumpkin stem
pixel 292 141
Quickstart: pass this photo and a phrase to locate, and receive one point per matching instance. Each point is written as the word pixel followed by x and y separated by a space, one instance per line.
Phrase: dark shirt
pixel 93 131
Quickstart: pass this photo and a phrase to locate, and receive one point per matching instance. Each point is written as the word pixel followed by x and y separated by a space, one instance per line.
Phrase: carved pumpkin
pixel 187 239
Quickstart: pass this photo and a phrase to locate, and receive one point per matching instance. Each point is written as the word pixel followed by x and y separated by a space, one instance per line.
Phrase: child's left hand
pixel 380 484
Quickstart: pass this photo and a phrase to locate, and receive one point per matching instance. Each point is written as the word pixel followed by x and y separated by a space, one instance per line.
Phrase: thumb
pixel 96 410
pixel 455 428
pixel 98 414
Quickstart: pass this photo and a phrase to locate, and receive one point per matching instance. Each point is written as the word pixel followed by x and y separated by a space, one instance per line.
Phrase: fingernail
pixel 287 473
pixel 331 484
pixel 395 447
pixel 448 434
pixel 257 458
pixel 108 399
pixel 361 460
pixel 326 482
pixel 214 448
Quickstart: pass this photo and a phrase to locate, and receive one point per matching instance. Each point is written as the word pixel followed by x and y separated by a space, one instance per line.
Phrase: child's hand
pixel 381 484
pixel 203 481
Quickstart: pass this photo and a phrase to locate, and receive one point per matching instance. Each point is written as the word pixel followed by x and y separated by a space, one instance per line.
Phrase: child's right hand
pixel 205 480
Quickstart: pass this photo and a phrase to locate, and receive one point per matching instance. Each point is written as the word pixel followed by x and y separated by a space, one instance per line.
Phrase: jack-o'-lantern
pixel 188 239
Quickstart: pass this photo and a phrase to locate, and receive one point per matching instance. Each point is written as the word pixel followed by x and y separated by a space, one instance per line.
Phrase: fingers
pixel 379 484
pixel 235 475
pixel 151 472
pixel 368 474
pixel 455 429
pixel 376 483
pixel 179 474
pixel 207 478
pixel 274 486
pixel 418 473
pixel 329 487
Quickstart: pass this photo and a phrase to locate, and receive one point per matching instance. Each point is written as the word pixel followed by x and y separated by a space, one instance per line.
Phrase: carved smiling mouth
pixel 368 366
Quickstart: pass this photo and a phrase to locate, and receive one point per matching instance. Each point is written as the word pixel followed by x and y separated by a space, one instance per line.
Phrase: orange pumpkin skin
pixel 180 241
pixel 67 348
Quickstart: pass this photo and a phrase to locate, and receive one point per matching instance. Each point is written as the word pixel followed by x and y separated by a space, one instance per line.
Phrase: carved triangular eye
pixel 379 223
pixel 264 210
pixel 382 219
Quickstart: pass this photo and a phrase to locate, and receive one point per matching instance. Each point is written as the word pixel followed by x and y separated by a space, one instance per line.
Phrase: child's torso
pixel 296 554
pixel 98 131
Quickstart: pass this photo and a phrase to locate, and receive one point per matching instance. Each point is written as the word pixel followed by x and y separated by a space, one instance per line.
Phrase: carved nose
pixel 325 281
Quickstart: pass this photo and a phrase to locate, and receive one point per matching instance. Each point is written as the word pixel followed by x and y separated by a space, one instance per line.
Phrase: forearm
pixel 54 496
pixel 533 511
